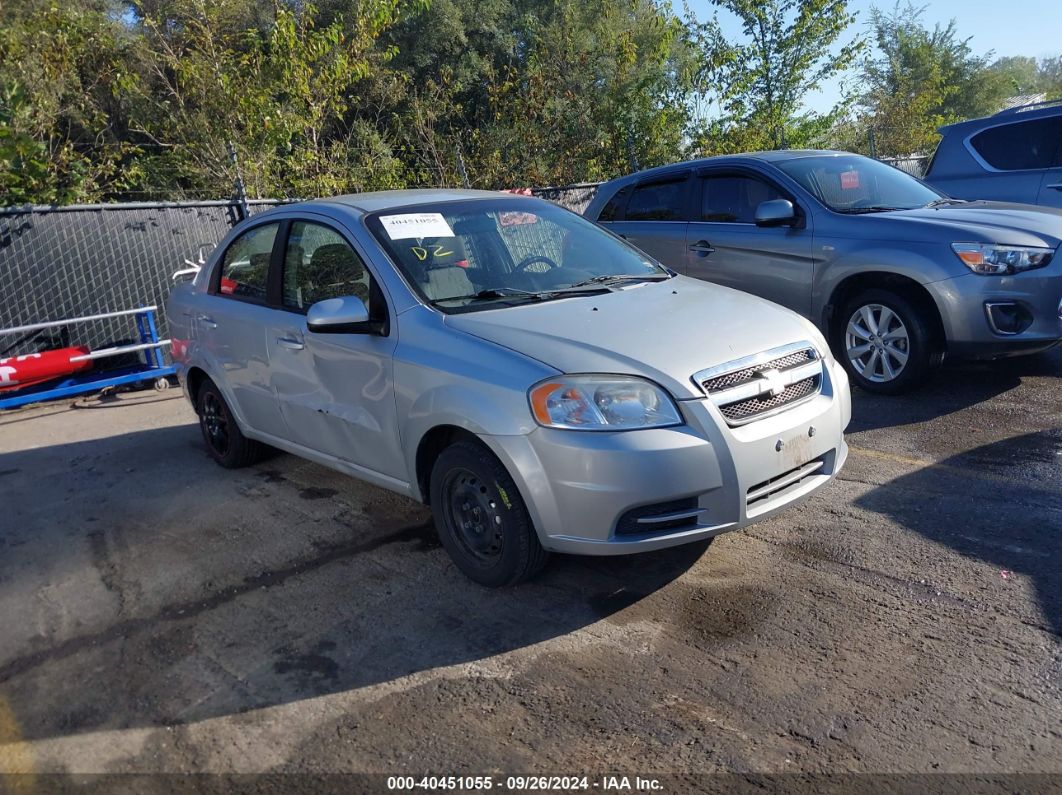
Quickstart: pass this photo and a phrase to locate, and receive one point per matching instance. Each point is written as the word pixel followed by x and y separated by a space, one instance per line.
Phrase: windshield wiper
pixel 863 210
pixel 605 279
pixel 494 293
pixel 946 200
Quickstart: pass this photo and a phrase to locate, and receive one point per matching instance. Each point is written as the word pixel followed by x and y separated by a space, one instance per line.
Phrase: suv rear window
pixel 1021 145
pixel 658 201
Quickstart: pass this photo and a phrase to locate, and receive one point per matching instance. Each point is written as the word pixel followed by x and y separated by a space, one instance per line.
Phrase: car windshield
pixel 465 256
pixel 856 184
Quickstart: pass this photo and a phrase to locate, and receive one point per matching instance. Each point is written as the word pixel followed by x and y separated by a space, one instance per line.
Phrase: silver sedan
pixel 540 383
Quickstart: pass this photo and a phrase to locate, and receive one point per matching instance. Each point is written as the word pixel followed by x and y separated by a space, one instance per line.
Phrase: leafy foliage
pixel 760 83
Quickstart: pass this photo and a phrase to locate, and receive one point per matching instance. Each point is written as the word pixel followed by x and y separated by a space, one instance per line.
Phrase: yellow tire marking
pixel 16 759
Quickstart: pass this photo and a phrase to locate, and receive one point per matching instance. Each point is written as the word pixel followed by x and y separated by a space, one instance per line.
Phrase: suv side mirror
pixel 776 212
pixel 345 315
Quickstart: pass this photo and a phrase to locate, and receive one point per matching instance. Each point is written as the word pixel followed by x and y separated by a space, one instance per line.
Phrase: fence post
pixel 241 189
pixel 461 165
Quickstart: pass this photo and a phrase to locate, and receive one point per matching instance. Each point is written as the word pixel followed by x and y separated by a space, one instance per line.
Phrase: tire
pixel 481 518
pixel 906 348
pixel 224 439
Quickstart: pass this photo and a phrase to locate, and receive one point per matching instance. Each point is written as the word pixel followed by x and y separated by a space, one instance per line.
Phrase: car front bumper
pixel 966 306
pixel 581 488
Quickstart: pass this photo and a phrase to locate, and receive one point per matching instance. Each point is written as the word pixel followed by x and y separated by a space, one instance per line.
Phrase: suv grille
pixel 756 386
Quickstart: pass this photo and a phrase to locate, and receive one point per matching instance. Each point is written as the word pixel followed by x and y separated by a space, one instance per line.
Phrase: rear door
pixel 336 391
pixel 230 322
pixel 655 217
pixel 724 245
pixel 1016 157
pixel 1051 185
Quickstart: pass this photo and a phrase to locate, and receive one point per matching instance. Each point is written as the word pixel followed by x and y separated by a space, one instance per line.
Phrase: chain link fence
pixel 66 262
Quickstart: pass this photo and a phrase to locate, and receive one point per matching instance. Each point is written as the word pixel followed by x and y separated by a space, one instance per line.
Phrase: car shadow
pixel 1010 519
pixel 956 386
pixel 141 585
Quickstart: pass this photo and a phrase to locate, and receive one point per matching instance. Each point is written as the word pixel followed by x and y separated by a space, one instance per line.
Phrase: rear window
pixel 611 210
pixel 658 201
pixel 1021 145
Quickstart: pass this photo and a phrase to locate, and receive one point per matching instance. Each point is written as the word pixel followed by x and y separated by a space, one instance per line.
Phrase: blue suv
pixel 1013 156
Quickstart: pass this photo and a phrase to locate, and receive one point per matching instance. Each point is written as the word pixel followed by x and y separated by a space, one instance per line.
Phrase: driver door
pixel 336 391
pixel 724 245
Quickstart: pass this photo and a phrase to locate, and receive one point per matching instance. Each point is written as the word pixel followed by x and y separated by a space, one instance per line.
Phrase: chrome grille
pixel 753 407
pixel 756 386
pixel 741 376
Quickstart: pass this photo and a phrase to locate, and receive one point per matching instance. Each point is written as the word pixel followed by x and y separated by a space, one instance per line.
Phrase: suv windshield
pixel 856 184
pixel 468 255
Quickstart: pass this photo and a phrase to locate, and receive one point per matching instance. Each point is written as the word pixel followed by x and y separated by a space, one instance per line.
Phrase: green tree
pixel 63 124
pixel 918 79
pixel 759 84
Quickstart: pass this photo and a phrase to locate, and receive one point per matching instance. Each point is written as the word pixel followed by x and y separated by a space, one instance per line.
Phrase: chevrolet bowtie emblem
pixel 772 384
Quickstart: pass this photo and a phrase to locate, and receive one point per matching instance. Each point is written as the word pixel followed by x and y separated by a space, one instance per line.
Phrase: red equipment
pixel 36 368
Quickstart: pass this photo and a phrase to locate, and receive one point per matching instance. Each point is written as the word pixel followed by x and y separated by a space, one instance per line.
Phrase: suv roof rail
pixel 1031 106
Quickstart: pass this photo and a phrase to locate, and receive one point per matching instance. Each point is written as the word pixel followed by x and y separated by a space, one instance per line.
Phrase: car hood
pixel 979 222
pixel 665 331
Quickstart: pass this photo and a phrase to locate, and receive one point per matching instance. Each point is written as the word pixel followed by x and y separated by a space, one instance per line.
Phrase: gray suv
pixel 1014 156
pixel 893 272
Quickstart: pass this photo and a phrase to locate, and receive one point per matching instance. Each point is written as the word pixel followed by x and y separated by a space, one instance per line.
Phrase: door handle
pixel 702 247
pixel 1056 186
pixel 290 343
pixel 208 321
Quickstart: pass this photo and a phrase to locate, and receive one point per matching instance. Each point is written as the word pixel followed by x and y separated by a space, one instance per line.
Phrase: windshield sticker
pixel 849 180
pixel 515 218
pixel 418 225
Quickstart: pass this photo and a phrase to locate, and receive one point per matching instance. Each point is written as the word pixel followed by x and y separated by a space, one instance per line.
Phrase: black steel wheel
pixel 224 439
pixel 481 518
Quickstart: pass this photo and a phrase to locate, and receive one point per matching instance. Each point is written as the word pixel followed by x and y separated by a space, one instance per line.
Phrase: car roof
pixel 773 156
pixel 375 201
pixel 1010 115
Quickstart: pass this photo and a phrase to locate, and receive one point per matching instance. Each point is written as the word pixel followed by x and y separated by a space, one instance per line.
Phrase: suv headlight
pixel 602 403
pixel 993 259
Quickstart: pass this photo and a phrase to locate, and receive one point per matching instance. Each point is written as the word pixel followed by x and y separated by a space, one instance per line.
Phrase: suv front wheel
pixel 884 342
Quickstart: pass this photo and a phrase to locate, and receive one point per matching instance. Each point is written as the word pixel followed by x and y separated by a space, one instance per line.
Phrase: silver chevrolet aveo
pixel 537 381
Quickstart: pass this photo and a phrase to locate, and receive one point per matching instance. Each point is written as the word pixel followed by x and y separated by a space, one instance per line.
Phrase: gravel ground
pixel 160 614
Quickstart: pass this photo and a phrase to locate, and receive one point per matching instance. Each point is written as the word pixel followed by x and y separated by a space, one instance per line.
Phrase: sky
pixel 1011 27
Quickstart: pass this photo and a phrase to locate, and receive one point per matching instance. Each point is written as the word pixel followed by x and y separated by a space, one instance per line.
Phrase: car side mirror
pixel 345 315
pixel 776 212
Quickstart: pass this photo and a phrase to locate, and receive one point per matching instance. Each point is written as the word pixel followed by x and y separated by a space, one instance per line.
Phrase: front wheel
pixel 884 342
pixel 481 518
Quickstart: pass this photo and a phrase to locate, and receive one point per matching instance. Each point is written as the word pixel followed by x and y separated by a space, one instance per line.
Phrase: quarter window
pixel 734 198
pixel 245 267
pixel 1022 145
pixel 320 264
pixel 658 201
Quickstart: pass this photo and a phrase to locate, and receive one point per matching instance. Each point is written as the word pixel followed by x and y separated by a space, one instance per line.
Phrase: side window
pixel 1022 145
pixel 734 198
pixel 320 264
pixel 245 266
pixel 658 201
pixel 611 210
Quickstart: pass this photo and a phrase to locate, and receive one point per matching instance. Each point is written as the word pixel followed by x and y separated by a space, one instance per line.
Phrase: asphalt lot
pixel 158 613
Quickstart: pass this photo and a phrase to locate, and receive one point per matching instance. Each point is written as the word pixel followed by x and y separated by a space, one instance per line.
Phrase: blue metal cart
pixel 152 368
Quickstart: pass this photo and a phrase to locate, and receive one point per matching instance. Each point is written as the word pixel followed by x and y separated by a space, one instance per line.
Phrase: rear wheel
pixel 885 342
pixel 481 518
pixel 226 443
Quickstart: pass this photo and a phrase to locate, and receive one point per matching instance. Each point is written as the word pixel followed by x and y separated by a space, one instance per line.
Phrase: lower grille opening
pixel 659 517
pixel 762 492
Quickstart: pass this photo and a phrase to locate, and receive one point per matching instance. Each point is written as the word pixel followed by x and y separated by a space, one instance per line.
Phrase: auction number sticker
pixel 418 225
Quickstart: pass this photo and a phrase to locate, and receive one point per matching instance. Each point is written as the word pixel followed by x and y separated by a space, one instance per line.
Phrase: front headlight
pixel 992 259
pixel 602 403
